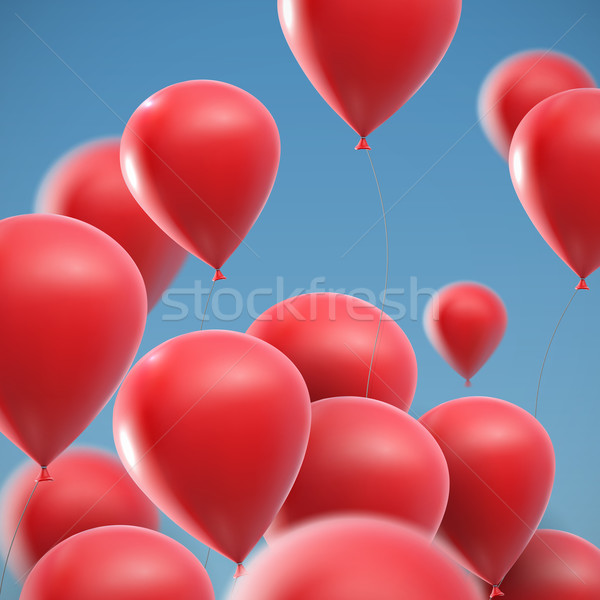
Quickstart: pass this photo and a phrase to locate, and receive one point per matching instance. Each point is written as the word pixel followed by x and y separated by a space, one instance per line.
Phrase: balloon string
pixel 387 268
pixel 207 557
pixel 212 287
pixel 548 350
pixel 15 534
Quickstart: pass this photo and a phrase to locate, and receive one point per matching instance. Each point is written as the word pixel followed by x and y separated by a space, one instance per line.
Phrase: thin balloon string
pixel 548 350
pixel 212 287
pixel 207 557
pixel 15 534
pixel 387 269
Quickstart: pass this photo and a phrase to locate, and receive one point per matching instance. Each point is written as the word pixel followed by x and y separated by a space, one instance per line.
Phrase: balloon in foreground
pixel 72 314
pixel 501 464
pixel 520 82
pixel 555 565
pixel 353 558
pixel 330 338
pixel 465 322
pixel 367 456
pixel 554 168
pixel 87 184
pixel 120 563
pixel 90 489
pixel 213 427
pixel 367 59
pixel 201 158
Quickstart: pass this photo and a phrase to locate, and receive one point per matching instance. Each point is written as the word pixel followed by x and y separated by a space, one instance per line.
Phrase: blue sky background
pixel 89 65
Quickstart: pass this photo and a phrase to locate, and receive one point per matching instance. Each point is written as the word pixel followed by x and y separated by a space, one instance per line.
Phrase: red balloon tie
pixel 582 285
pixel 362 144
pixel 240 571
pixel 468 383
pixel 218 275
pixel 44 475
pixel 496 592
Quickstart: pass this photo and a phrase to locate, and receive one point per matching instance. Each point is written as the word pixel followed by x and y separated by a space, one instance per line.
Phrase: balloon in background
pixel 201 157
pixel 554 168
pixel 465 322
pixel 213 426
pixel 120 563
pixel 501 464
pixel 91 489
pixel 353 558
pixel 555 565
pixel 87 184
pixel 330 338
pixel 520 82
pixel 72 314
pixel 367 456
pixel 367 59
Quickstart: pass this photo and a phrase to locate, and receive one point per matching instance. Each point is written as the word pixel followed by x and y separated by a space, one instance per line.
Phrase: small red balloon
pixel 465 322
pixel 90 489
pixel 501 464
pixel 330 338
pixel 367 456
pixel 87 184
pixel 201 157
pixel 120 563
pixel 521 82
pixel 554 168
pixel 72 314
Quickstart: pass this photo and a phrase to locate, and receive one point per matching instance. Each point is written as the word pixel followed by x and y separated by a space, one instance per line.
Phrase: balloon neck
pixel 582 285
pixel 240 571
pixel 218 275
pixel 362 144
pixel 468 383
pixel 496 593
pixel 44 475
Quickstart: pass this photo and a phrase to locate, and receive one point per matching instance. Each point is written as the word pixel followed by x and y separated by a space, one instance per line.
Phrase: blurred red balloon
pixel 465 322
pixel 120 563
pixel 72 314
pixel 91 489
pixel 213 426
pixel 367 456
pixel 554 168
pixel 520 82
pixel 367 59
pixel 501 464
pixel 201 158
pixel 330 338
pixel 555 565
pixel 353 558
pixel 87 184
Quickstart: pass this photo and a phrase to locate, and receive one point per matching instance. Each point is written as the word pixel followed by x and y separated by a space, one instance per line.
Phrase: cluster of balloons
pixel 299 428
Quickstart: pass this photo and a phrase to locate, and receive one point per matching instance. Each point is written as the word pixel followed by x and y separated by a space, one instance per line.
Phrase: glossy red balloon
pixel 465 322
pixel 120 563
pixel 87 184
pixel 554 168
pixel 501 464
pixel 520 82
pixel 201 158
pixel 330 338
pixel 72 314
pixel 213 426
pixel 353 558
pixel 367 59
pixel 90 489
pixel 367 456
pixel 555 565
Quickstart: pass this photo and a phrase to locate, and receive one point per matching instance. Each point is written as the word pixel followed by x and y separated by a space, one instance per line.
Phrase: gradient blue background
pixel 462 219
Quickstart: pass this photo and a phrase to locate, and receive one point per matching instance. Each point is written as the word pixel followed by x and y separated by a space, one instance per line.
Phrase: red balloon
pixel 90 489
pixel 120 563
pixel 367 59
pixel 330 338
pixel 72 314
pixel 501 466
pixel 367 456
pixel 520 82
pixel 465 322
pixel 87 184
pixel 353 558
pixel 213 426
pixel 201 158
pixel 554 168
pixel 555 565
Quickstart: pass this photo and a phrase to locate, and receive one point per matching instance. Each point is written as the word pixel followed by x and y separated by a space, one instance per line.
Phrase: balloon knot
pixel 582 285
pixel 218 275
pixel 240 571
pixel 468 383
pixel 362 144
pixel 496 593
pixel 44 475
